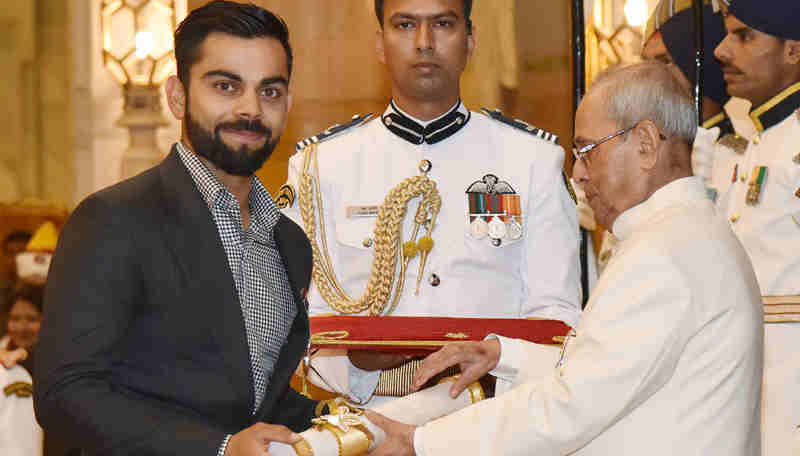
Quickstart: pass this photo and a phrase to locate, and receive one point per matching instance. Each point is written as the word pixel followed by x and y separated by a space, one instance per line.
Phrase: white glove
pixel 703 152
pixel 585 212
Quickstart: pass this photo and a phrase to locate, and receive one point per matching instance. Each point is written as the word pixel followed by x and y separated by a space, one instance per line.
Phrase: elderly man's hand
pixel 10 358
pixel 399 437
pixel 476 359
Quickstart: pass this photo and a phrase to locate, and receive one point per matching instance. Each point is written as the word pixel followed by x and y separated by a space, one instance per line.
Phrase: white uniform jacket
pixel 770 233
pixel 536 275
pixel 20 434
pixel 666 359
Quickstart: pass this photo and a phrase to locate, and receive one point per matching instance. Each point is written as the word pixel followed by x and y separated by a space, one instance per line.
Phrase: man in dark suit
pixel 175 310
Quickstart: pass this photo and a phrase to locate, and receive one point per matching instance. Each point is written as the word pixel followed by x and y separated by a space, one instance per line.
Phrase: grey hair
pixel 648 91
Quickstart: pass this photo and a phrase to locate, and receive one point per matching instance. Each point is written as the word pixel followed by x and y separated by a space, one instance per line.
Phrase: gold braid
pixel 387 239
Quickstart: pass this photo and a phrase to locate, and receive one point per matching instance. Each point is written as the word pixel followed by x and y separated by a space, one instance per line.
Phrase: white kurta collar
pixel 679 191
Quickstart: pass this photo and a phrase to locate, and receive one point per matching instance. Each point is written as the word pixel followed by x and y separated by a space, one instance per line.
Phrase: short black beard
pixel 241 162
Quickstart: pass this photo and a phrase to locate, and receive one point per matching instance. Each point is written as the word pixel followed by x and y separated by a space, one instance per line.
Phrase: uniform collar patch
pixel 722 121
pixel 414 132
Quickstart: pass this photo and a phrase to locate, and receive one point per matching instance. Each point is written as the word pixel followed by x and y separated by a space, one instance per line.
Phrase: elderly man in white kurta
pixel 666 358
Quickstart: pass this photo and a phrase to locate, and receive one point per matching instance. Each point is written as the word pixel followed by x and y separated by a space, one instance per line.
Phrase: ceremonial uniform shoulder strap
pixel 334 131
pixel 520 125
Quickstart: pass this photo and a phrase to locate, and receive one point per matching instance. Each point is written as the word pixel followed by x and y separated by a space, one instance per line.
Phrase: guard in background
pixel 496 234
pixel 20 435
pixel 761 194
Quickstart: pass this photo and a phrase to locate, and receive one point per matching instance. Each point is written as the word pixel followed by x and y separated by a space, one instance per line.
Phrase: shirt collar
pixel 679 191
pixel 432 131
pixel 777 108
pixel 262 208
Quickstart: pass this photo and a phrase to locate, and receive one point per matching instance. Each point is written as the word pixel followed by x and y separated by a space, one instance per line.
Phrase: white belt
pixel 781 309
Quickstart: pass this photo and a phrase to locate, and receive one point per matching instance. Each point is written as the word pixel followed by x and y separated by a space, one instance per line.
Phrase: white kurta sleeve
pixel 550 266
pixel 521 361
pixel 626 348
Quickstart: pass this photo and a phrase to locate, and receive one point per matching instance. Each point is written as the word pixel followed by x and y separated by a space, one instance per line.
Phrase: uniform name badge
pixel 494 211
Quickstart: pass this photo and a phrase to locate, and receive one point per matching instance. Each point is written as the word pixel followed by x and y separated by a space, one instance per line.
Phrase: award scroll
pixel 346 431
pixel 421 335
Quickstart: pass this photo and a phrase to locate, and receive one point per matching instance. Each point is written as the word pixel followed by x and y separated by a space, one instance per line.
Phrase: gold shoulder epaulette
pixel 20 389
pixel 520 125
pixel 334 131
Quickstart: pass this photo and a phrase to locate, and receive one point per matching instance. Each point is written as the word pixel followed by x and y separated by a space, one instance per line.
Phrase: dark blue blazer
pixel 143 347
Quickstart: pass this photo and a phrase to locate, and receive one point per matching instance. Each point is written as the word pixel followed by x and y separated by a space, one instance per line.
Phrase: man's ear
pixel 792 52
pixel 380 51
pixel 471 41
pixel 176 97
pixel 650 144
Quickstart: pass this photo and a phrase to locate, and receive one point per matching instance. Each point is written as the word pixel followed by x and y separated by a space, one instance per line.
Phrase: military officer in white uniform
pixel 760 193
pixel 20 434
pixel 521 262
pixel 667 356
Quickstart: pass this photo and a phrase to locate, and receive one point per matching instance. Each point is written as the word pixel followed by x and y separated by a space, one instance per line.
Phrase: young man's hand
pixel 255 439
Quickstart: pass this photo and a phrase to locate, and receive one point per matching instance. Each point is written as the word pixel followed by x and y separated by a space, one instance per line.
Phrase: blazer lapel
pixel 296 255
pixel 192 236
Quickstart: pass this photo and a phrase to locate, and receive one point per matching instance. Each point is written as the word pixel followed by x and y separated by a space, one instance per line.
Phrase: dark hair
pixel 27 292
pixel 221 16
pixel 16 236
pixel 467 13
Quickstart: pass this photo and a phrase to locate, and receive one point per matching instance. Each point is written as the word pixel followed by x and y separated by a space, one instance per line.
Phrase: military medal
pixel 514 229
pixel 497 229
pixel 757 178
pixel 513 218
pixel 494 210
pixel 478 229
pixel 735 173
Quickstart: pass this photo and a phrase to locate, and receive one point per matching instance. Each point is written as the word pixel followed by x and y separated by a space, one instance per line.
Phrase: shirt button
pixel 425 166
pixel 434 280
pixel 734 218
pixel 367 242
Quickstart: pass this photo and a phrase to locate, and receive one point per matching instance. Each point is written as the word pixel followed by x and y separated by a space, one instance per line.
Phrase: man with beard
pixel 760 193
pixel 175 305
